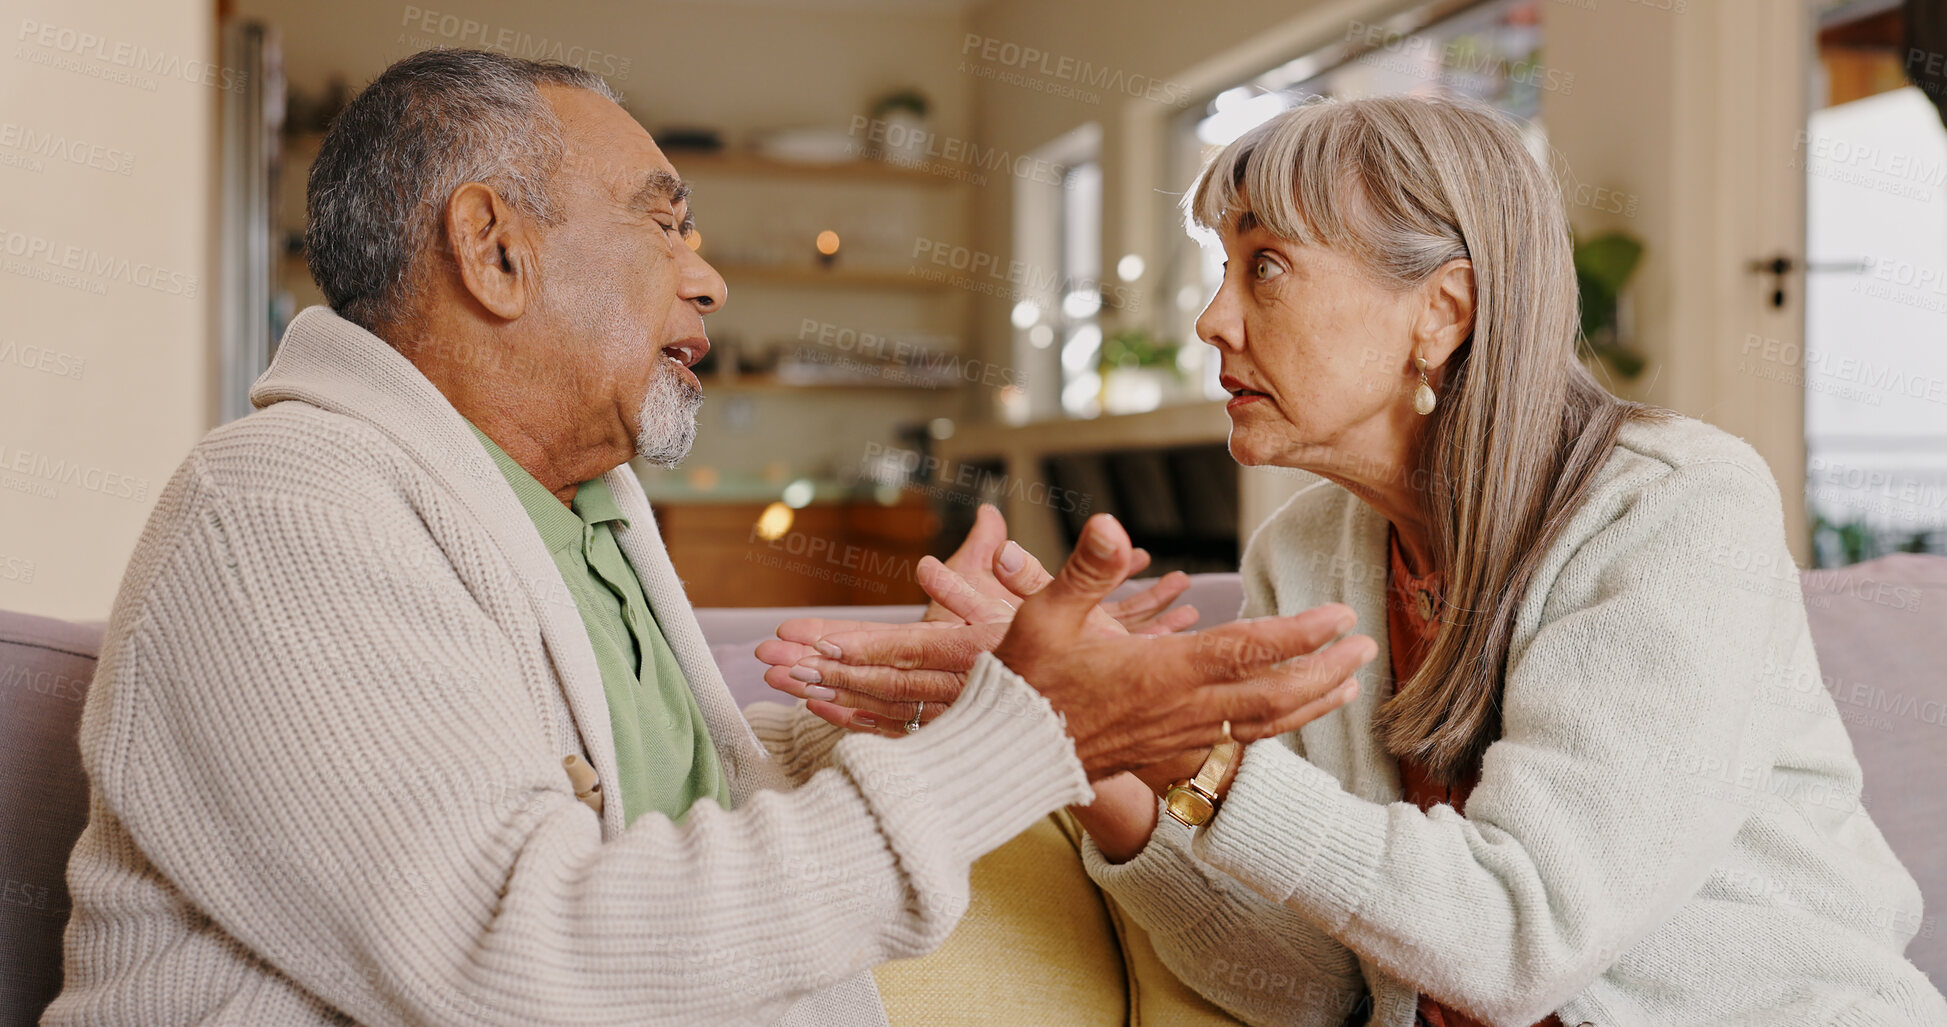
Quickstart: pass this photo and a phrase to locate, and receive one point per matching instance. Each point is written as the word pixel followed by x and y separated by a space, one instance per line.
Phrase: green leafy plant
pixel 1134 347
pixel 904 100
pixel 1603 266
pixel 1841 543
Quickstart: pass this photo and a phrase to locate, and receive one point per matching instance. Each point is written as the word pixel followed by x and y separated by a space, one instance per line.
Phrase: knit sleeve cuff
pixel 1290 832
pixel 1163 887
pixel 995 762
pixel 799 741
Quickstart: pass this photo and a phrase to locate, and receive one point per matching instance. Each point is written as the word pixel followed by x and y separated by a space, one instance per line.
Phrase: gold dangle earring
pixel 1423 398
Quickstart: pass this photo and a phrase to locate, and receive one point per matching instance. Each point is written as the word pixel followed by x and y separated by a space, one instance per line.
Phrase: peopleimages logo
pixel 458 31
pixel 87 46
pixel 29 250
pixel 44 470
pixel 54 146
pixel 1002 54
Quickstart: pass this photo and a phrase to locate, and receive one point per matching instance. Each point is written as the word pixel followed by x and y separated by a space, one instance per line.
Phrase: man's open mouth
pixel 686 352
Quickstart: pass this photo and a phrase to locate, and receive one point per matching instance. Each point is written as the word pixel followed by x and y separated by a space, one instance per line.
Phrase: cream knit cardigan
pixel 1667 834
pixel 324 751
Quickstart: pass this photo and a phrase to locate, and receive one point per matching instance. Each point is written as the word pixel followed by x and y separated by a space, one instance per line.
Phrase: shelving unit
pixel 769 382
pixel 811 276
pixel 742 163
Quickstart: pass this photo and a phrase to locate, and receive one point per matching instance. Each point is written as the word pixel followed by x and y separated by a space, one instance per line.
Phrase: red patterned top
pixel 1412 619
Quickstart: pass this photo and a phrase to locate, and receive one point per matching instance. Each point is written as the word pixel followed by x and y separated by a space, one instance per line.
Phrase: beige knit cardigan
pixel 1668 832
pixel 325 758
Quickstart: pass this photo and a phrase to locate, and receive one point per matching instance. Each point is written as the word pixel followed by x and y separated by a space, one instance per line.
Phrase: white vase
pixel 906 138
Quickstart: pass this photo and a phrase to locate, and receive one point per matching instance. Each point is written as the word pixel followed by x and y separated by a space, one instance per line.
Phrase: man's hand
pixel 933 659
pixel 1138 700
pixel 1000 569
pixel 1130 701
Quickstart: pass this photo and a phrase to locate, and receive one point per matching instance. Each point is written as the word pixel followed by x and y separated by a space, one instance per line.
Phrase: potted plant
pixel 902 134
pixel 1139 371
pixel 1603 266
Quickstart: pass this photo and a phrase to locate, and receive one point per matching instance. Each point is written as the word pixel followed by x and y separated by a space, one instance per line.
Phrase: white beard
pixel 667 418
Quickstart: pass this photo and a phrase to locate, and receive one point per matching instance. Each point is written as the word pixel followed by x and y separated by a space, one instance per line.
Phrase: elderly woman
pixel 1569 789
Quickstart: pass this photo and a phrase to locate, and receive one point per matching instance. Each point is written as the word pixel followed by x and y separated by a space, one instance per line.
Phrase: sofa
pixel 1880 629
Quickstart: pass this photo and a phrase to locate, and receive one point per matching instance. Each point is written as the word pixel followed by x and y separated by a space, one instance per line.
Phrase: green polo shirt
pixel 663 752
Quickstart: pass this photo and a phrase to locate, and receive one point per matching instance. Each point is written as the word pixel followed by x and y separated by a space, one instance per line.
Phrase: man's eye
pixel 1266 268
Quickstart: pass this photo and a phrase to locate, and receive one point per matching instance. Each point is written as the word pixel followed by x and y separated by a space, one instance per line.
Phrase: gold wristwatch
pixel 1194 801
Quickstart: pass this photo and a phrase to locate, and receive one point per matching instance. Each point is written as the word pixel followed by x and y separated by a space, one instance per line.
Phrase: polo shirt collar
pixel 561 528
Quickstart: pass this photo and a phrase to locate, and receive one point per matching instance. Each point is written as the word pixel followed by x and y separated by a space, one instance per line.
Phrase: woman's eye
pixel 1266 268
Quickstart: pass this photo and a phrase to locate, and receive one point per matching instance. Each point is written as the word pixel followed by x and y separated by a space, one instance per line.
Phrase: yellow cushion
pixel 1041 944
pixel 1037 946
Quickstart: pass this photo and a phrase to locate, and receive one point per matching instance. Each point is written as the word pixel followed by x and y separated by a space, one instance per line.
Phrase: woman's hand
pixel 883 699
pixel 1121 818
pixel 1129 701
pixel 1134 701
pixel 866 697
pixel 1000 569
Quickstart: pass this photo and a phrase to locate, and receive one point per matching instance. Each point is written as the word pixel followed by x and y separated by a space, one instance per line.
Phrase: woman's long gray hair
pixel 1404 185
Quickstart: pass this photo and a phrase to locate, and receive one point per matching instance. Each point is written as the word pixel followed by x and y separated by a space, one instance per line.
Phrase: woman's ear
pixel 490 244
pixel 1447 319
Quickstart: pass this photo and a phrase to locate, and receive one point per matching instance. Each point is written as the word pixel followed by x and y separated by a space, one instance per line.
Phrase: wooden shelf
pixel 750 165
pixel 841 277
pixel 769 382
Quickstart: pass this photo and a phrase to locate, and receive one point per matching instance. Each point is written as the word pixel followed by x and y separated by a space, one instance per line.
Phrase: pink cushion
pixel 1881 632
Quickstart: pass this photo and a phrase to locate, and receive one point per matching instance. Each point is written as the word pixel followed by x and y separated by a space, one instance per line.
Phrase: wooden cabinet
pixel 831 554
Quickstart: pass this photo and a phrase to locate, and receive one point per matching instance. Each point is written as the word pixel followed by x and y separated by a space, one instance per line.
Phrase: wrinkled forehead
pixel 605 147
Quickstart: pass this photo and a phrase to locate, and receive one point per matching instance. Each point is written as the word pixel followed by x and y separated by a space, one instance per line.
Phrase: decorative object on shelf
pixel 1139 372
pixel 901 135
pixel 307 113
pixel 686 139
pixel 1603 266
pixel 1134 347
pixel 909 361
pixel 827 243
pixel 809 146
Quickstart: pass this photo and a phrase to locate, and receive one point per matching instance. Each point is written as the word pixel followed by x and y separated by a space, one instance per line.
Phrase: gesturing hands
pixel 1136 700
pixel 1129 700
pixel 977 588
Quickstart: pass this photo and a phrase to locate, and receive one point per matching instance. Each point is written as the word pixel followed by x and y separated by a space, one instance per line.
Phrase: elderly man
pixel 402 715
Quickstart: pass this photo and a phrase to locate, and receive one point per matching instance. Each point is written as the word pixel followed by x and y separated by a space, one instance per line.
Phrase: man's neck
pixel 525 415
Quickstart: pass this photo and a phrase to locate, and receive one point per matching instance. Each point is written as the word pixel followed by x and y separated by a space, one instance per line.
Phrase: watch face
pixel 1188 806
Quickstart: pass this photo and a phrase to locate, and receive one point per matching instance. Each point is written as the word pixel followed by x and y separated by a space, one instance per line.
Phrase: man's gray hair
pixel 427 125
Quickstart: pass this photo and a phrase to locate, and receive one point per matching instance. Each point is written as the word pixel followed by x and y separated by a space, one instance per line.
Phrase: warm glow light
pixel 774 522
pixel 828 242
pixel 800 493
pixel 705 479
pixel 695 239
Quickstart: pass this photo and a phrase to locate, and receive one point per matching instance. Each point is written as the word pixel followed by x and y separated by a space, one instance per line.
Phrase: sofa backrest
pixel 45 667
pixel 1880 629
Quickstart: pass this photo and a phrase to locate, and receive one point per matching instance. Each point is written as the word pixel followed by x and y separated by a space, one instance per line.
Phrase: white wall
pixel 106 164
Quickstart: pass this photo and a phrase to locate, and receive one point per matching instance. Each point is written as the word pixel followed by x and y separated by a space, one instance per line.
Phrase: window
pixel 1056 314
pixel 1489 51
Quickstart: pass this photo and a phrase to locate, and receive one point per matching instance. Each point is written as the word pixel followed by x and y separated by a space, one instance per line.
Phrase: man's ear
pixel 1447 319
pixel 492 246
